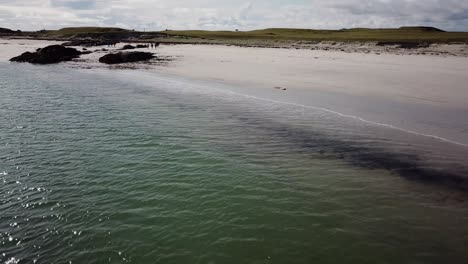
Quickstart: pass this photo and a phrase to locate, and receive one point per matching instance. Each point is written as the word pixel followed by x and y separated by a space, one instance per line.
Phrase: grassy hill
pixel 71 31
pixel 5 30
pixel 271 35
pixel 405 34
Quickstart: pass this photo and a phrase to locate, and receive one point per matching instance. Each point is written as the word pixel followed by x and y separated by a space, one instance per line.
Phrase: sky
pixel 233 14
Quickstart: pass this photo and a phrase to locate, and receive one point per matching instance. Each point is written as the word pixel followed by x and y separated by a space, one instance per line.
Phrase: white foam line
pixel 356 118
pixel 325 110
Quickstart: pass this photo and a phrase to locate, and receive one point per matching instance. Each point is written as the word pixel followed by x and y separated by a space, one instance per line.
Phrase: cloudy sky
pixel 232 14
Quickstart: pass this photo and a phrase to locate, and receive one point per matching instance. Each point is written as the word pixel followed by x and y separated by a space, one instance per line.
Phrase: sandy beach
pixel 400 77
pixel 420 93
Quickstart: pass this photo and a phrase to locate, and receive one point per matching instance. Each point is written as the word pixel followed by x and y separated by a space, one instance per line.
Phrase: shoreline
pixel 367 47
pixel 395 101
pixel 416 93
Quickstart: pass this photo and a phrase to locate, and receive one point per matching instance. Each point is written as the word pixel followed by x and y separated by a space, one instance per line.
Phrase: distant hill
pixel 411 35
pixel 69 31
pixel 403 34
pixel 108 33
pixel 5 30
pixel 426 29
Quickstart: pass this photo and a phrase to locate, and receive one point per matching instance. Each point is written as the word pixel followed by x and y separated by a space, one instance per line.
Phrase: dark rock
pixel 89 42
pixel 124 57
pixel 25 57
pixel 404 44
pixel 281 88
pixel 48 55
pixel 127 47
pixel 140 46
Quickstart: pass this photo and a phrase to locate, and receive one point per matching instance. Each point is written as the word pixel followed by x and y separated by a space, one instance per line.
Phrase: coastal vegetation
pixel 71 31
pixel 387 35
pixel 405 34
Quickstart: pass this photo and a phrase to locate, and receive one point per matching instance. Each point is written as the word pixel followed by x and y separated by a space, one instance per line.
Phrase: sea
pixel 130 166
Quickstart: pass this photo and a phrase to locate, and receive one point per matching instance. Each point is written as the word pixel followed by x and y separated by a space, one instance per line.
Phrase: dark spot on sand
pixel 281 88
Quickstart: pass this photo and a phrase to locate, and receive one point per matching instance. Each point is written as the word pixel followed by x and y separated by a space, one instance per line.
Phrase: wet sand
pixel 425 94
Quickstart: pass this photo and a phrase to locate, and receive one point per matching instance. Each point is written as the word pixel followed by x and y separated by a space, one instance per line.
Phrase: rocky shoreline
pixel 376 47
pixel 48 55
pixel 126 57
pixel 59 53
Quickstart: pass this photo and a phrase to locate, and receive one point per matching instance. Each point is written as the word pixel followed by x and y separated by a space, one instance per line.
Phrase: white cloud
pixel 231 14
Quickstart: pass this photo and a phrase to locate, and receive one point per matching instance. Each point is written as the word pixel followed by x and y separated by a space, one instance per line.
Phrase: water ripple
pixel 103 170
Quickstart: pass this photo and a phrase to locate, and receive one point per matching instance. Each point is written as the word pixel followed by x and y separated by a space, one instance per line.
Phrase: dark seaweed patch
pixel 406 165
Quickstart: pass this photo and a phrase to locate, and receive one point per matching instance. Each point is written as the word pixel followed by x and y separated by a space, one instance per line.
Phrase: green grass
pixel 408 34
pixel 405 34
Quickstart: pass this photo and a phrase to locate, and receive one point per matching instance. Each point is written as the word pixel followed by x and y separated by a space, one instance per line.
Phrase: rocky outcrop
pixel 48 55
pixel 89 42
pixel 125 57
pixel 404 44
pixel 25 57
pixel 128 47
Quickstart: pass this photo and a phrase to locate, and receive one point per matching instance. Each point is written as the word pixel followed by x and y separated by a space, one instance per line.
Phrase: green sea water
pixel 100 168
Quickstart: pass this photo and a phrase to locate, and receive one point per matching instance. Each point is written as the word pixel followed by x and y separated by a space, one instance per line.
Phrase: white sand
pixel 427 79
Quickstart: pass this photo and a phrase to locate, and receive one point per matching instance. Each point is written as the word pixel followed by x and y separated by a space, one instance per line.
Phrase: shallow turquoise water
pixel 103 168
